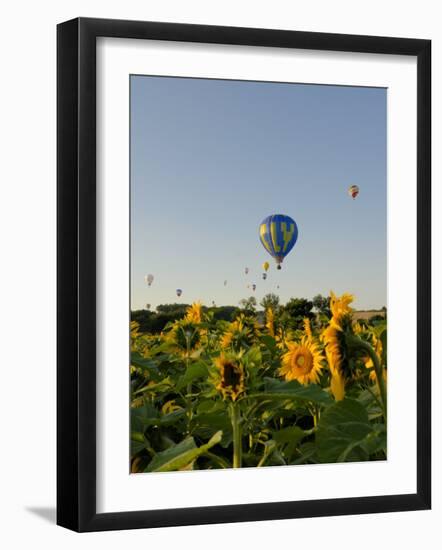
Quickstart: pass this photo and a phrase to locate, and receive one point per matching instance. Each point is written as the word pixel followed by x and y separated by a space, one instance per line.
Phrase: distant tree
pixel 322 305
pixel 376 319
pixel 155 322
pixel 224 313
pixel 248 305
pixel 295 310
pixel 270 301
pixel 172 308
pixel 143 318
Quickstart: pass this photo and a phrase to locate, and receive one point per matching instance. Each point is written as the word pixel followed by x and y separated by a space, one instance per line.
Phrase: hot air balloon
pixel 148 279
pixel 264 276
pixel 253 287
pixel 353 191
pixel 265 266
pixel 246 270
pixel 225 283
pixel 278 234
pixel 147 306
pixel 179 291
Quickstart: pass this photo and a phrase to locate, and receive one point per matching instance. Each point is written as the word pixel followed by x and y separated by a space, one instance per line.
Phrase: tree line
pixel 290 314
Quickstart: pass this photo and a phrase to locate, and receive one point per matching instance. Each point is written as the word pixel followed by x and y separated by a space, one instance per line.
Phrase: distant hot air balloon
pixel 179 291
pixel 253 287
pixel 264 276
pixel 246 270
pixel 278 234
pixel 277 286
pixel 266 266
pixel 147 306
pixel 353 191
pixel 225 282
pixel 148 279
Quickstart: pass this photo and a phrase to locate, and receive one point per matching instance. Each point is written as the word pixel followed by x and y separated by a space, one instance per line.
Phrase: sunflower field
pixel 254 392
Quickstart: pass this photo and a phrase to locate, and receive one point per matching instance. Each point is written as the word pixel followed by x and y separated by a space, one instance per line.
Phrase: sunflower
pixel 226 338
pixel 377 345
pixel 134 326
pixel 340 306
pixel 194 313
pixel 358 328
pixel 333 336
pixel 302 362
pixel 240 333
pixel 332 339
pixel 308 329
pixel 270 321
pixel 335 353
pixel 230 376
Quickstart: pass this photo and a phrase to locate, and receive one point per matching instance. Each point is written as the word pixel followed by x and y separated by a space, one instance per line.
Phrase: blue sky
pixel 210 159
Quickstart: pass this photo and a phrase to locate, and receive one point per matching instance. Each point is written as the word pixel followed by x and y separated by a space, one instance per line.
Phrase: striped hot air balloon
pixel 353 191
pixel 278 234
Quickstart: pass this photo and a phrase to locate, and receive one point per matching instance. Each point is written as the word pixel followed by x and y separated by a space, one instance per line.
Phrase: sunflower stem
pixel 188 397
pixel 236 428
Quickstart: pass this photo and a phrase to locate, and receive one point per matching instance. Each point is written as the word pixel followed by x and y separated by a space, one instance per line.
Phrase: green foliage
pixel 322 305
pixel 154 322
pixel 343 428
pixel 270 301
pixel 295 311
pixel 184 416
pixel 248 305
pixel 180 456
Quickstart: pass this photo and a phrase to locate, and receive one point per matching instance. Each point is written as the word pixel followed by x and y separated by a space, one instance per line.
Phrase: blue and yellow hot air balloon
pixel 278 234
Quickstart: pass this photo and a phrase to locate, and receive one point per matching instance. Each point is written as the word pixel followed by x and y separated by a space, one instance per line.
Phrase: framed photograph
pixel 243 218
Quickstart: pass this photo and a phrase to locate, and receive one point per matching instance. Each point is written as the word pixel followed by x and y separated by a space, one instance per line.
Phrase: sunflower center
pixel 231 376
pixel 302 361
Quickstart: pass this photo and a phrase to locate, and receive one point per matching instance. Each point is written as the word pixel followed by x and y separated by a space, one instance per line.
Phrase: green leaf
pixel 253 356
pixel 194 371
pixel 139 416
pixel 139 361
pixel 160 386
pixel 291 434
pixel 269 342
pixel 172 417
pixel 181 455
pixel 289 439
pixel 209 405
pixel 342 429
pixel 206 424
pixel 137 442
pixel 308 454
pixel 376 440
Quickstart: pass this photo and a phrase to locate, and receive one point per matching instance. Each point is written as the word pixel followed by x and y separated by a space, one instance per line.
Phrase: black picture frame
pixel 76 274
